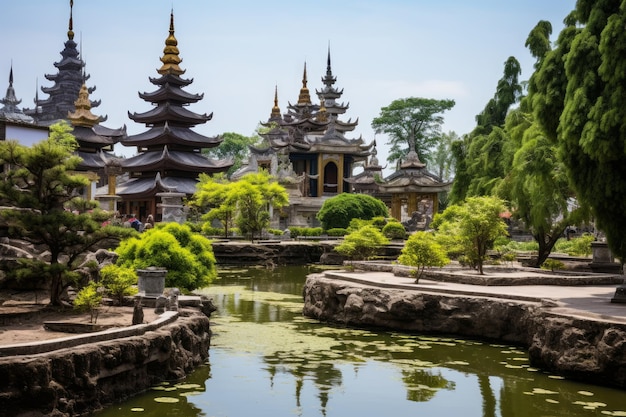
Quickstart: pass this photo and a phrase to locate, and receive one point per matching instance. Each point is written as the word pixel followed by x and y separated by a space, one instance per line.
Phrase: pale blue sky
pixel 237 51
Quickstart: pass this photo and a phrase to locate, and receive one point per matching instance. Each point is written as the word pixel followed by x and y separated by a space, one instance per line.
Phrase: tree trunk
pixel 56 290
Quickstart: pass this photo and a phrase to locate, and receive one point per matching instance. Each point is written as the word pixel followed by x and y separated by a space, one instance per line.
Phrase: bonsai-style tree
pixel 422 250
pixel 89 299
pixel 338 211
pixel 40 194
pixel 247 201
pixel 475 224
pixel 362 244
pixel 187 256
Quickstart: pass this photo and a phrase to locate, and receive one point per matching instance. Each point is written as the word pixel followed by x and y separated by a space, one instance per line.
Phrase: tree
pixel 187 256
pixel 119 282
pixel 248 199
pixel 234 146
pixel 476 223
pixel 41 189
pixel 338 211
pixel 537 186
pixel 362 244
pixel 412 123
pixel 214 200
pixel 422 250
pixel 584 110
pixel 481 157
pixel 442 157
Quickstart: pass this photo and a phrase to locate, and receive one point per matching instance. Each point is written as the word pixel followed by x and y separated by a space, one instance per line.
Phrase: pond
pixel 266 359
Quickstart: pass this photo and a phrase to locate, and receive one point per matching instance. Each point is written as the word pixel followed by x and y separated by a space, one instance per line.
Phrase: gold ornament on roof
pixel 170 57
pixel 304 97
pixel 83 115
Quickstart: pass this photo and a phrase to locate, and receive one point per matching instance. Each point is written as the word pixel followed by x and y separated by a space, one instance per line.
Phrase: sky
pixel 237 52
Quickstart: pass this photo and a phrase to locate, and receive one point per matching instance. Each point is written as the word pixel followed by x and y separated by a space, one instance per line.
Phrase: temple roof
pixel 414 177
pixel 172 113
pixel 93 160
pixel 98 135
pixel 10 110
pixel 171 92
pixel 148 187
pixel 67 84
pixel 167 135
pixel 161 160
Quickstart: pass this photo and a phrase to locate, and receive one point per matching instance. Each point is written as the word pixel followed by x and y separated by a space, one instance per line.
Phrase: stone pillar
pixel 603 260
pixel 151 281
pixel 172 207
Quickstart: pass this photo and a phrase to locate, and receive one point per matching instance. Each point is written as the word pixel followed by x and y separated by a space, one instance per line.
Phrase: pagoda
pixel 10 111
pixel 169 158
pixel 67 84
pixel 95 142
pixel 309 142
pixel 413 191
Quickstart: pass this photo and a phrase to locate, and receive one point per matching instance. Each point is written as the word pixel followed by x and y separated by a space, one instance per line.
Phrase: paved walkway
pixel 585 301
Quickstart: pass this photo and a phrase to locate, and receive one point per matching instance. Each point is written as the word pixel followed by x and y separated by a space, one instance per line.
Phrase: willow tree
pixel 412 123
pixel 591 99
pixel 481 158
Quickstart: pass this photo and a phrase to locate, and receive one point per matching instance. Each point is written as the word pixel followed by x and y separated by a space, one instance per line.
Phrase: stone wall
pixel 578 348
pixel 80 380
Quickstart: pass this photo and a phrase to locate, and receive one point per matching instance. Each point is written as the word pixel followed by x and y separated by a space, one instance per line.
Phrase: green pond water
pixel 266 359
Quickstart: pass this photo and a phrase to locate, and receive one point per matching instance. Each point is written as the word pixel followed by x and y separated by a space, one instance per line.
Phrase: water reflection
pixel 266 359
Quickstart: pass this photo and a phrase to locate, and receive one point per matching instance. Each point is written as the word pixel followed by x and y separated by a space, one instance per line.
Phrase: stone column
pixel 151 281
pixel 172 207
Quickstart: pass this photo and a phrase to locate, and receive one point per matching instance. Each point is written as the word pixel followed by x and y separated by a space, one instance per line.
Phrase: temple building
pixel 169 158
pixel 67 84
pixel 95 145
pixel 307 149
pixel 411 193
pixel 14 123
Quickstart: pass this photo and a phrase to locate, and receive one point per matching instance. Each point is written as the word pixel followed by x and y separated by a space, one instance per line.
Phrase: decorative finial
pixel 11 75
pixel 170 57
pixel 70 31
pixel 328 60
pixel 83 115
pixel 275 115
pixel 304 97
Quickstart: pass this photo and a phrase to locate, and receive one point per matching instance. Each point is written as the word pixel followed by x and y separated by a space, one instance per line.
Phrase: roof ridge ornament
pixel 170 57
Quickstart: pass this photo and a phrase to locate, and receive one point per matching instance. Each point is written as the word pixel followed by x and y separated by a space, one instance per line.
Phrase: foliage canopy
pixel 40 193
pixel 338 211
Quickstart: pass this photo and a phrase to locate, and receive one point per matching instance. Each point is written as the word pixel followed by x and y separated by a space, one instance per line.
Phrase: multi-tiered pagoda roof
pixel 67 83
pixel 95 141
pixel 10 110
pixel 170 155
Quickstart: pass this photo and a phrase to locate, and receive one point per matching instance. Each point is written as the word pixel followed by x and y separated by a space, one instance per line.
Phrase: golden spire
pixel 322 114
pixel 304 97
pixel 70 31
pixel 170 57
pixel 275 110
pixel 83 115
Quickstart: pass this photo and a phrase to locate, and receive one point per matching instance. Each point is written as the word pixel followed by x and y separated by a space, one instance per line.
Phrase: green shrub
pixel 89 298
pixel 362 244
pixel 119 282
pixel 337 231
pixel 356 224
pixel 394 230
pixel 578 246
pixel 275 232
pixel 379 221
pixel 188 257
pixel 422 250
pixel 552 264
pixel 337 211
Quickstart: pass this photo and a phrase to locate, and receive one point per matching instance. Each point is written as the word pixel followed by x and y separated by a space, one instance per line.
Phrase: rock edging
pixel 81 379
pixel 575 347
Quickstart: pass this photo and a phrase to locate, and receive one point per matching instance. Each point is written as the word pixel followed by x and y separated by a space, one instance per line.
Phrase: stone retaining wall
pixel 578 348
pixel 78 380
